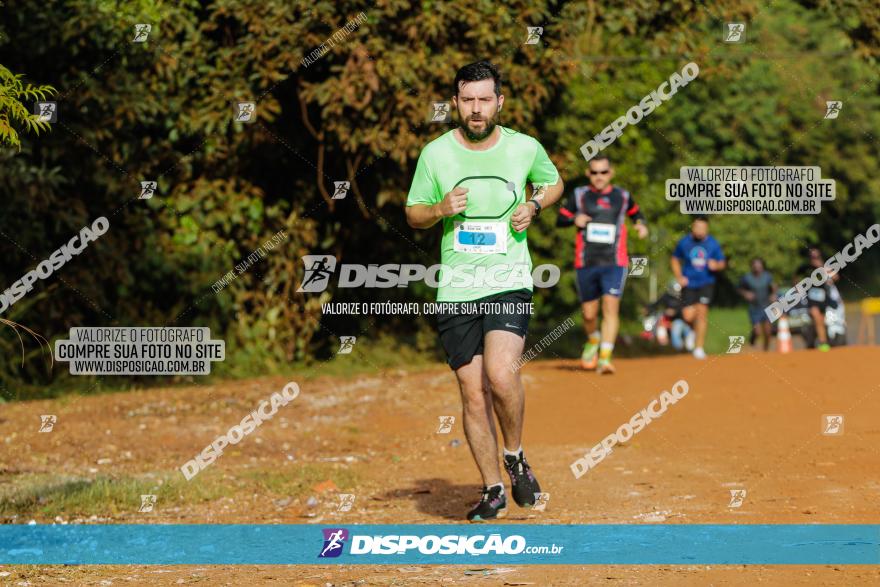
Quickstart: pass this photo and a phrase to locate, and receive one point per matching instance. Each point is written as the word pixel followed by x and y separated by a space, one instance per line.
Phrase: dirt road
pixel 749 421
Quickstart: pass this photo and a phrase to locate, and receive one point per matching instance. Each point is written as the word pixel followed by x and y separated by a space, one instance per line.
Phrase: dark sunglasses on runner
pixel 603 172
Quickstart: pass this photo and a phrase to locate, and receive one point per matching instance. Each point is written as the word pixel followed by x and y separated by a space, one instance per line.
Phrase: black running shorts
pixel 819 297
pixel 463 328
pixel 697 295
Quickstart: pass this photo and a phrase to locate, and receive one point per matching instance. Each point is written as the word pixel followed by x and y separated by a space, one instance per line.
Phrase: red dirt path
pixel 750 421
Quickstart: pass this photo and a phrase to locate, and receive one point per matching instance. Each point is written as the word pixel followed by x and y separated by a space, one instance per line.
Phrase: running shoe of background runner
pixel 590 356
pixel 605 367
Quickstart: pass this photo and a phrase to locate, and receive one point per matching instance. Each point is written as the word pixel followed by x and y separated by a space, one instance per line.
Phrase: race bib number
pixel 601 233
pixel 480 237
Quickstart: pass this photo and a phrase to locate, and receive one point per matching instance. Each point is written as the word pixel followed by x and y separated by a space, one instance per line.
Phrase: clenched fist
pixel 581 220
pixel 454 202
pixel 522 216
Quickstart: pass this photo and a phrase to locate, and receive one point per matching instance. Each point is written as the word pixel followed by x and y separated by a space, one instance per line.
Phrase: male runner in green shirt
pixel 473 179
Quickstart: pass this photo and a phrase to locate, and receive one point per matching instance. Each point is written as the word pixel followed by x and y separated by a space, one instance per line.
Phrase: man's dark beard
pixel 477 136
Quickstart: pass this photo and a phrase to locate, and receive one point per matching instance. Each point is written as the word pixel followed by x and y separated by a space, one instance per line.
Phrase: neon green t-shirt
pixel 481 253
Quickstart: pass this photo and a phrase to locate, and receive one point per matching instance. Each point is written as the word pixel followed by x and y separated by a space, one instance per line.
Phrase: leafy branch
pixel 13 112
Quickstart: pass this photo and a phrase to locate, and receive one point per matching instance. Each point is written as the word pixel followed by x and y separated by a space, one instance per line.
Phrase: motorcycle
pixel 800 322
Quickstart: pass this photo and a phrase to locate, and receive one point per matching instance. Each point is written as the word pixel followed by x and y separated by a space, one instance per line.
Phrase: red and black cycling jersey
pixel 603 243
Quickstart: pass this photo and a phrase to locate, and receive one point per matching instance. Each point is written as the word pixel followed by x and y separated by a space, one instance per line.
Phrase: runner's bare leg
pixel 818 317
pixel 501 350
pixel 767 333
pixel 477 419
pixel 590 311
pixel 701 323
pixel 610 319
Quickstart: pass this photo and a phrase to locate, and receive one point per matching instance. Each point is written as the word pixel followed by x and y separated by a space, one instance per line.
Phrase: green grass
pixel 299 481
pixel 725 322
pixel 51 495
pixel 371 356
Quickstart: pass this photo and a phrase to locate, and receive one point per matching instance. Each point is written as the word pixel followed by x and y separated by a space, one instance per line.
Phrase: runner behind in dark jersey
pixel 598 211
pixel 819 297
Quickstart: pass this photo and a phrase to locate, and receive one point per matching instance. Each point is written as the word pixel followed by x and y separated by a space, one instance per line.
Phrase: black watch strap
pixel 537 206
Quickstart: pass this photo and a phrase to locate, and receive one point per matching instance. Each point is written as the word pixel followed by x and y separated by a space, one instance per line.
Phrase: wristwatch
pixel 537 206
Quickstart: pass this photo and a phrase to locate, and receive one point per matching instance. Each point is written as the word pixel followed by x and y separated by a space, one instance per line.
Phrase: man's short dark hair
pixel 600 158
pixel 702 217
pixel 474 72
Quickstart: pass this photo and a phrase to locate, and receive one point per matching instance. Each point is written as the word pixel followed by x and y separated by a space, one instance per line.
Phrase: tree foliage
pixel 163 110
pixel 13 112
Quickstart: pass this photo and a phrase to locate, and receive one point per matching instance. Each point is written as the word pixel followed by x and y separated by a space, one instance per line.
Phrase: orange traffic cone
pixel 783 336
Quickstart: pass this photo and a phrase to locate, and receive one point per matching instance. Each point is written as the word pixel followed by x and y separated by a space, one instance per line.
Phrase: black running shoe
pixel 493 504
pixel 523 484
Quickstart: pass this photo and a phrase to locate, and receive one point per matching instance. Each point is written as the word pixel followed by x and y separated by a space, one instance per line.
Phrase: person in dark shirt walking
pixel 759 290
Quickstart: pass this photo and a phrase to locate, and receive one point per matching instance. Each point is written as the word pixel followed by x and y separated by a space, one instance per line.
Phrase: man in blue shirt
pixel 696 259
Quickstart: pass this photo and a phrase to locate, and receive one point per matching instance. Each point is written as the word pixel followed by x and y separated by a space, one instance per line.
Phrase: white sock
pixel 607 346
pixel 513 453
pixel 501 485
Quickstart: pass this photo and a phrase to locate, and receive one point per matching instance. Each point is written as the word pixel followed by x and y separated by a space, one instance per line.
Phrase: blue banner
pixel 621 544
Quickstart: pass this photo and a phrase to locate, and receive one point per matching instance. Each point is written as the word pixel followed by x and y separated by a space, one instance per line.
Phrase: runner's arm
pixel 427 215
pixel 425 203
pixel 552 194
pixel 423 215
pixel 675 265
pixel 744 290
pixel 541 172
pixel 635 213
pixel 567 212
pixel 717 261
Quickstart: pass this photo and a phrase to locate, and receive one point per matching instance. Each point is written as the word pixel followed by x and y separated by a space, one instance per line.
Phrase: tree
pixel 355 110
pixel 13 112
